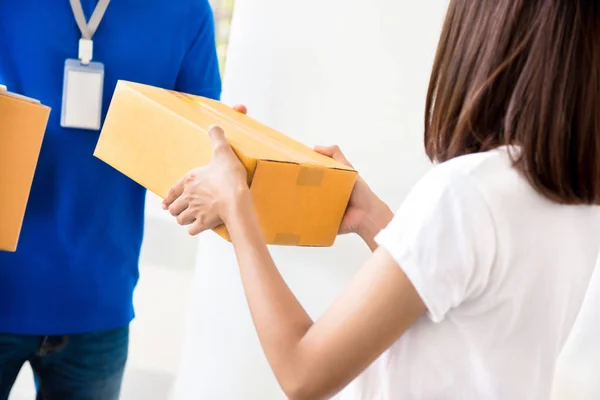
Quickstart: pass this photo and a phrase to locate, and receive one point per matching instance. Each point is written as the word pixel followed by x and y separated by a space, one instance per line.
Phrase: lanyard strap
pixel 88 28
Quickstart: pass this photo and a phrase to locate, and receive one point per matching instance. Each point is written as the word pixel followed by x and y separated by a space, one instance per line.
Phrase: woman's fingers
pixel 173 194
pixel 217 137
pixel 187 217
pixel 201 225
pixel 220 145
pixel 325 150
pixel 178 206
pixel 333 152
pixel 196 228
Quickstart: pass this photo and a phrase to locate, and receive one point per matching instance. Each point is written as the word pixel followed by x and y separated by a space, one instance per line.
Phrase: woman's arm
pixel 310 360
pixel 444 238
pixel 316 360
pixel 373 223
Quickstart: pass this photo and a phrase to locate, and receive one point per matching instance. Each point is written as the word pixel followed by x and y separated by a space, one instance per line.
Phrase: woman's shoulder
pixel 489 173
pixel 479 165
pixel 481 181
pixel 478 169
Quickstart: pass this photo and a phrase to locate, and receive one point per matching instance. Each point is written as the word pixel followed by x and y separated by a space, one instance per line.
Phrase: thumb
pixel 217 137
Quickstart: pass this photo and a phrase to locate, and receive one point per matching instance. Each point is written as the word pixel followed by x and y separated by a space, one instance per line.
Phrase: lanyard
pixel 88 29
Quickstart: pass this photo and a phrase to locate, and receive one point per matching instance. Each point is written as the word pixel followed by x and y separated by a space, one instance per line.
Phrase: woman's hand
pixel 184 199
pixel 366 214
pixel 361 199
pixel 206 196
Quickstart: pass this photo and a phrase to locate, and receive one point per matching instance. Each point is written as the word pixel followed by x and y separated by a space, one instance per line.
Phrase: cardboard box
pixel 22 125
pixel 155 136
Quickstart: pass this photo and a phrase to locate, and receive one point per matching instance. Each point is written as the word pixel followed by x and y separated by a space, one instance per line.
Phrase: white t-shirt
pixel 503 273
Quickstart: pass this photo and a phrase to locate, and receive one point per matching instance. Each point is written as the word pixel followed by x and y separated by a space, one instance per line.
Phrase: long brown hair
pixel 526 73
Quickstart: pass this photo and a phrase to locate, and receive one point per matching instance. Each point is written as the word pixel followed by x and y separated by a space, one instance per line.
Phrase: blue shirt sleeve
pixel 199 72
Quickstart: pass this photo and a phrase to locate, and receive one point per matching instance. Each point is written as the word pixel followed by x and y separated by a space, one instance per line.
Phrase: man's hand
pixel 240 108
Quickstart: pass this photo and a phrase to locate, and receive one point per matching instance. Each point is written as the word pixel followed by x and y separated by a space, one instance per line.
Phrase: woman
pixel 474 285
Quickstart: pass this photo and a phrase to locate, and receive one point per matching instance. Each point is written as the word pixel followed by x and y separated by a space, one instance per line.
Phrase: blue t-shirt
pixel 77 262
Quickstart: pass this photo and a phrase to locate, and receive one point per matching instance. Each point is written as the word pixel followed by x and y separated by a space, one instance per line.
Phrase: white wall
pixel 350 72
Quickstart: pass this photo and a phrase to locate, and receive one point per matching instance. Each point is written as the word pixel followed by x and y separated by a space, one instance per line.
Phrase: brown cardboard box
pixel 156 136
pixel 22 126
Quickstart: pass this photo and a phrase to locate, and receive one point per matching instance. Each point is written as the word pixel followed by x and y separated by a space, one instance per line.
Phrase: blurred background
pixel 162 295
pixel 223 10
pixel 384 73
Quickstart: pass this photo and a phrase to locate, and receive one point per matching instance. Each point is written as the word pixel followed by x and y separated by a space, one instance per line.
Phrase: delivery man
pixel 66 294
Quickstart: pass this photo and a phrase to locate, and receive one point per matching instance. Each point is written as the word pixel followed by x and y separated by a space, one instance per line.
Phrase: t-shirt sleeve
pixel 199 73
pixel 444 239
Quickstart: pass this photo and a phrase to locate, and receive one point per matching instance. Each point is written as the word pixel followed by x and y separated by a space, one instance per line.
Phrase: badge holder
pixel 83 84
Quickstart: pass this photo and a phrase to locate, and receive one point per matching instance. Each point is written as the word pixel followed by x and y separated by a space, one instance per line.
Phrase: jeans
pixel 86 366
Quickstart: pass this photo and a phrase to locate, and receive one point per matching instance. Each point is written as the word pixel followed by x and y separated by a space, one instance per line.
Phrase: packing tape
pixel 287 239
pixel 310 176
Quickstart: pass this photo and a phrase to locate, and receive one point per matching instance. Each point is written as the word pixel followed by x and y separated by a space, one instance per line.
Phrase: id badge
pixel 82 95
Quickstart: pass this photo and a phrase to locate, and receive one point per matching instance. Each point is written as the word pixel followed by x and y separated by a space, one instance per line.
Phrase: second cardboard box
pixel 22 126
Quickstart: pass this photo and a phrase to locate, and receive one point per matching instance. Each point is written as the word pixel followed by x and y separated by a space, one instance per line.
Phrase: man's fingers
pixel 240 108
pixel 173 194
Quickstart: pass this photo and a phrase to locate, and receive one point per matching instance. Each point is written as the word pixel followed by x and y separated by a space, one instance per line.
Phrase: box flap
pixel 246 135
pixel 4 92
pixel 154 151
